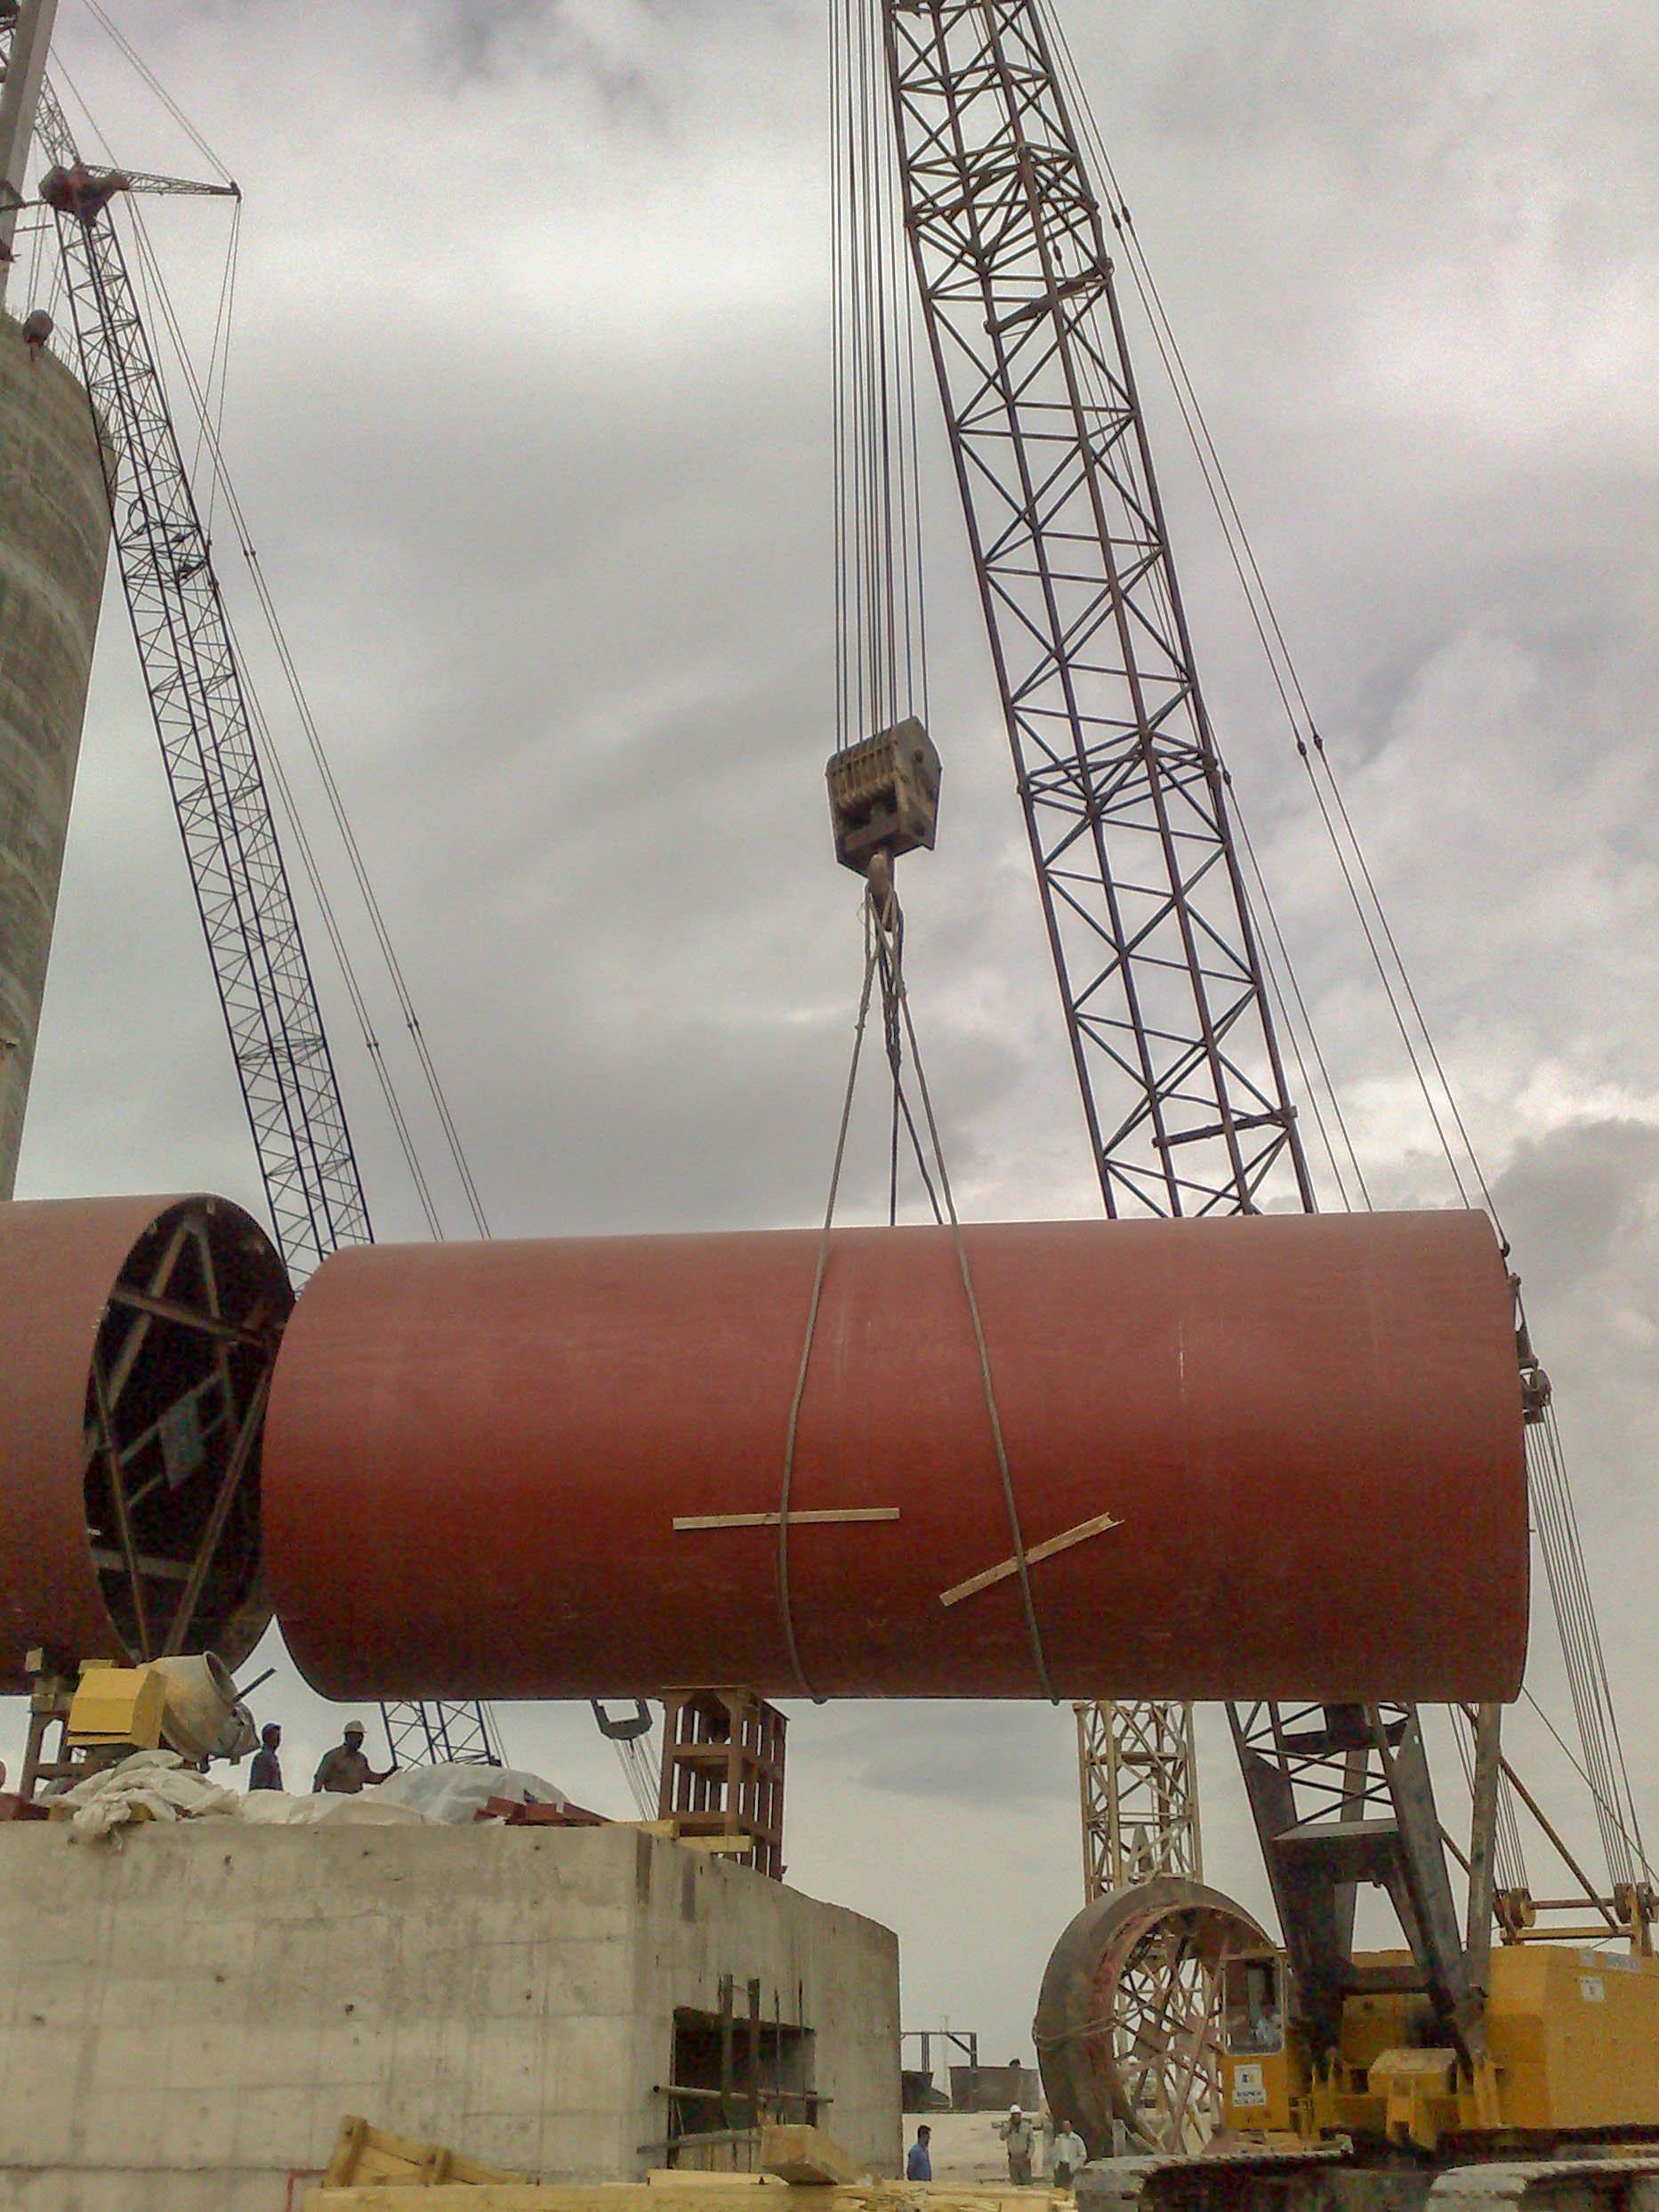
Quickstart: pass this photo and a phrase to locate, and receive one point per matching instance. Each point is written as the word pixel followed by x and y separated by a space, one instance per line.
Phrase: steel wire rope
pixel 875 928
pixel 1022 1565
pixel 159 301
pixel 786 1606
pixel 1567 1597
pixel 873 250
pixel 1263 611
pixel 155 289
pixel 1602 1681
pixel 837 402
pixel 1107 398
pixel 1586 1665
pixel 1568 1754
pixel 1507 1869
pixel 1575 1615
pixel 889 939
pixel 879 591
pixel 315 744
pixel 155 86
pixel 1272 970
pixel 358 1001
pixel 220 354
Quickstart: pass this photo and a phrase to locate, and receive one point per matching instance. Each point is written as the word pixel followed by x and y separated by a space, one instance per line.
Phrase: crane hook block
pixel 885 795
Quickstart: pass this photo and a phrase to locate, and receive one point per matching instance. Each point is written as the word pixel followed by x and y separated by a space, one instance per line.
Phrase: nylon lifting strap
pixel 874 925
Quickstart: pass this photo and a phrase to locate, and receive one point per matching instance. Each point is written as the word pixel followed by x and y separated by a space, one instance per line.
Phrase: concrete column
pixel 55 536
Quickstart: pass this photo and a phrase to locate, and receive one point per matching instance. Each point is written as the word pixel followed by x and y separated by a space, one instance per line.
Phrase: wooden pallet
pixel 368 2157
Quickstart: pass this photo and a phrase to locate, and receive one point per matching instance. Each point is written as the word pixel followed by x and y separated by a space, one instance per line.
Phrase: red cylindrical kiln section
pixel 137 1337
pixel 553 1470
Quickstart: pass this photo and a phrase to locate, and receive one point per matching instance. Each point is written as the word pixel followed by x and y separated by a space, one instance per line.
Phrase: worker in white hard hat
pixel 1016 2132
pixel 344 1770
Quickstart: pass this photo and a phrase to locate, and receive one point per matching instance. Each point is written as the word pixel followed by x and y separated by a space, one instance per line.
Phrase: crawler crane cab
pixel 1572 2034
pixel 1564 2112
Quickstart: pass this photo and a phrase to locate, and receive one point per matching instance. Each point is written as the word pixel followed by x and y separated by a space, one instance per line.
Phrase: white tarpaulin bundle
pixel 457 1790
pixel 158 1785
pixel 151 1785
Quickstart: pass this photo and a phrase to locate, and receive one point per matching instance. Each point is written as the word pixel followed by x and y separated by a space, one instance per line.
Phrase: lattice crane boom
pixel 1125 804
pixel 200 706
pixel 190 670
pixel 1117 769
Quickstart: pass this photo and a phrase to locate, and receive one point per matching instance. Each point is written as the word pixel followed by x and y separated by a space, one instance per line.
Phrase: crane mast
pixel 1125 802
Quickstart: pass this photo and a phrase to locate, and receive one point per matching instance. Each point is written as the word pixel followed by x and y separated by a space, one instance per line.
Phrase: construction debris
pixel 367 2156
pixel 806 2157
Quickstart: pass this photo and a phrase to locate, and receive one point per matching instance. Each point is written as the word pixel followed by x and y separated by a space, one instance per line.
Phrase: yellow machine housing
pixel 1573 2035
pixel 117 1705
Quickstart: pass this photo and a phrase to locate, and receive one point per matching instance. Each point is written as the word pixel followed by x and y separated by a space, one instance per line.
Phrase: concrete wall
pixel 54 531
pixel 184 2018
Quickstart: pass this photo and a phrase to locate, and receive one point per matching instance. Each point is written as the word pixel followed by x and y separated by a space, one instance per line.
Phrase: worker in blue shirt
pixel 919 2165
pixel 267 1772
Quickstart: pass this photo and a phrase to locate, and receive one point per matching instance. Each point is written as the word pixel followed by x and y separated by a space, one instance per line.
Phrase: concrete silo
pixel 54 533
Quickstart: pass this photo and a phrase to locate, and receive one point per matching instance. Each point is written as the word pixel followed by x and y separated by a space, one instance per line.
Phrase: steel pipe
pixel 1269 1456
pixel 137 1338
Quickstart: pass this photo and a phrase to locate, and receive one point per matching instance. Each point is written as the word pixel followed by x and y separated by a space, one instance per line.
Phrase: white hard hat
pixel 1014 2113
pixel 354 1728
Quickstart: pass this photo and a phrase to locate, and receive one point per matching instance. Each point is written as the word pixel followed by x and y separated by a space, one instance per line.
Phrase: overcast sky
pixel 529 409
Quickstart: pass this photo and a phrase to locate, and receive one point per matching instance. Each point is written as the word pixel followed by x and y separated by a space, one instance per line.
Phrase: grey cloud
pixel 1581 1199
pixel 962 1752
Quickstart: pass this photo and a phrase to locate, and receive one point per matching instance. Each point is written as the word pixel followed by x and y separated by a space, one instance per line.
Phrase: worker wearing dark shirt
pixel 919 2165
pixel 344 1770
pixel 266 1773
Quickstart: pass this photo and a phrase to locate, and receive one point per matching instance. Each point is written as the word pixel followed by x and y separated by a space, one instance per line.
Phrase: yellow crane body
pixel 1573 2038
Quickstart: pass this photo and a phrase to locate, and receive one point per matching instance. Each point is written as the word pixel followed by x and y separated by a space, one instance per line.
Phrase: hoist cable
pixel 880 596
pixel 159 90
